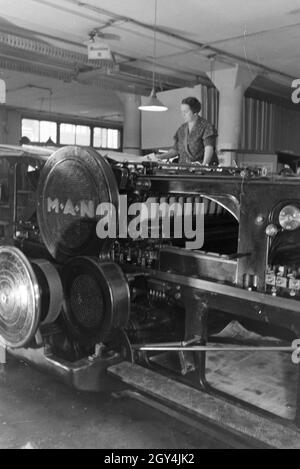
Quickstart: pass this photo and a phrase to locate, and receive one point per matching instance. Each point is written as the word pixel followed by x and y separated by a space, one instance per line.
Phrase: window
pixel 99 138
pixel 75 134
pixel 39 131
pixel 67 134
pixel 83 135
pixel 31 129
pixel 112 139
pixel 48 130
pixel 106 138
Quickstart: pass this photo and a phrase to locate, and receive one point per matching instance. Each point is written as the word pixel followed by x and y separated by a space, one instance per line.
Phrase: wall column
pixel 10 126
pixel 132 123
pixel 232 84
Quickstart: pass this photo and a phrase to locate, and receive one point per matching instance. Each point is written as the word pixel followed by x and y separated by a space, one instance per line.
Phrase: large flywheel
pixel 73 183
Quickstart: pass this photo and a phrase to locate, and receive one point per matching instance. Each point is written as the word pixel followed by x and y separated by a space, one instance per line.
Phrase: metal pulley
pixel 51 290
pixel 73 184
pixel 97 298
pixel 31 294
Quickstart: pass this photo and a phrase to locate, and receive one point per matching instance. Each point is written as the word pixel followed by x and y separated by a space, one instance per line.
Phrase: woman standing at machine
pixel 195 140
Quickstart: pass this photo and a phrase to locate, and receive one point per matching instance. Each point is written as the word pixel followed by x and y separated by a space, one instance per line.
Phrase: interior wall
pixel 158 128
pixel 258 125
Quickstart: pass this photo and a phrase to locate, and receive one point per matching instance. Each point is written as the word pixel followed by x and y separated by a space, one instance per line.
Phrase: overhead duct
pixel 42 48
pixel 34 69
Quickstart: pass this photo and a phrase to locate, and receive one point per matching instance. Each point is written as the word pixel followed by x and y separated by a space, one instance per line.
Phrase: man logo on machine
pixel 139 220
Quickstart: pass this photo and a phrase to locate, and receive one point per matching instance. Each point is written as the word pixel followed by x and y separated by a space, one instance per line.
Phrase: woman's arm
pixel 208 154
pixel 173 151
pixel 170 154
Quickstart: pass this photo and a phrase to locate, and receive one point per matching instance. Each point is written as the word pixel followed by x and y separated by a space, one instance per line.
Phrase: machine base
pixel 84 375
pixel 235 419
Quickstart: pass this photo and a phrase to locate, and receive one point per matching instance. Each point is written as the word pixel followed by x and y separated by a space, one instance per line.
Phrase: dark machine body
pixel 92 303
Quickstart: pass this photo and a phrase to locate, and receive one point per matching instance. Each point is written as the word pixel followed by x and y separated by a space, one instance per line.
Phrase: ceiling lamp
pixel 153 103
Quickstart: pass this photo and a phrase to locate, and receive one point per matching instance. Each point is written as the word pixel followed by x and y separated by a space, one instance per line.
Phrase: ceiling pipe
pixel 168 81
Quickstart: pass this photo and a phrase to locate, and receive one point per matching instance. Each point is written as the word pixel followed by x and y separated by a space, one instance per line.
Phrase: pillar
pixel 132 123
pixel 2 91
pixel 10 126
pixel 3 113
pixel 3 125
pixel 232 83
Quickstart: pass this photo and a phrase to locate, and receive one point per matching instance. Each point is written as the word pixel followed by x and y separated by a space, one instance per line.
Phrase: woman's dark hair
pixel 193 103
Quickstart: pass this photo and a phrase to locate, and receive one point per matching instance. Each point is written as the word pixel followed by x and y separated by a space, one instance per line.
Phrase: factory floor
pixel 38 412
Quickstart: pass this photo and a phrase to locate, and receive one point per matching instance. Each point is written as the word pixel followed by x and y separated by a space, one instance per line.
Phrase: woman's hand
pixel 153 157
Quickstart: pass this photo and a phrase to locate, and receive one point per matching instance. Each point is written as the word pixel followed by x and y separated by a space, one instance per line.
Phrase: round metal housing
pixel 72 185
pixel 289 217
pixel 51 290
pixel 97 298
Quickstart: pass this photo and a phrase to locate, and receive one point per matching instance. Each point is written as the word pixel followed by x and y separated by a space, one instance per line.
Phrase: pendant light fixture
pixel 50 141
pixel 153 103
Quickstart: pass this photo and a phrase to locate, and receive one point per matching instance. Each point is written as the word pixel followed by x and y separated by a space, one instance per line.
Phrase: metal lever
pixel 205 348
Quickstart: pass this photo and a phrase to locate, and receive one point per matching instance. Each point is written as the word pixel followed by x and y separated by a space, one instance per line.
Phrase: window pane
pixel 97 137
pixel 67 134
pixel 110 138
pixel 48 130
pixel 31 129
pixel 116 143
pixel 117 138
pixel 104 138
pixel 83 135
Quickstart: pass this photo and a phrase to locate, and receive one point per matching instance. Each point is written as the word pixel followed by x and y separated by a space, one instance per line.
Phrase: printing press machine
pixel 148 310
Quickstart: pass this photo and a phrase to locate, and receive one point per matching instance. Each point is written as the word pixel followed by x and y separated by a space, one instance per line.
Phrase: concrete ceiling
pixel 193 38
